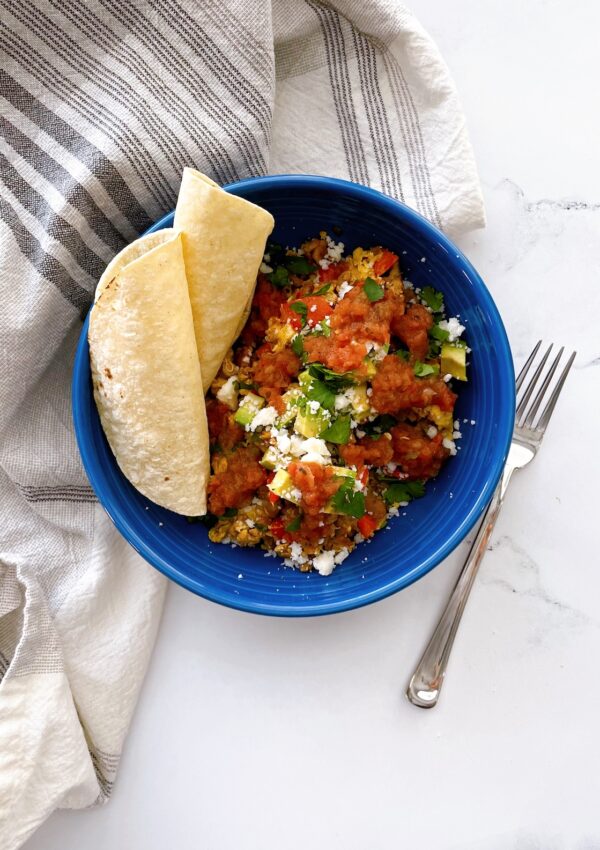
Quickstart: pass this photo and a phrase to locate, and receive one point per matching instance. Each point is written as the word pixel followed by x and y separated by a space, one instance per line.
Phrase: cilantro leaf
pixel 298 345
pixel 300 308
pixel 347 501
pixel 295 524
pixel 403 491
pixel 372 290
pixel 279 277
pixel 323 289
pixel 335 380
pixel 433 298
pixel 422 370
pixel 318 391
pixel 402 354
pixel 299 265
pixel 439 333
pixel 379 425
pixel 338 432
pixel 325 328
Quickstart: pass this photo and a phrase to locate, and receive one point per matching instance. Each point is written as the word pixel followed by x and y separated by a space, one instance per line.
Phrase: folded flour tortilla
pixel 146 374
pixel 224 240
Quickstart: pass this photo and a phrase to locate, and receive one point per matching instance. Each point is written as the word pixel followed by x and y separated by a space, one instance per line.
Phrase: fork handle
pixel 427 680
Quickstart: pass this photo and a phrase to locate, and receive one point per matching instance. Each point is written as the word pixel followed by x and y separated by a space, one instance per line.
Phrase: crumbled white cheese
pixel 341 556
pixel 228 394
pixel 314 444
pixel 313 309
pixel 313 406
pixel 360 434
pixel 450 445
pixel 391 466
pixel 447 378
pixel 342 401
pixel 250 523
pixel 264 417
pixel 431 432
pixel 314 457
pixel 454 328
pixel 282 441
pixel 324 563
pixel 344 290
pixel 265 269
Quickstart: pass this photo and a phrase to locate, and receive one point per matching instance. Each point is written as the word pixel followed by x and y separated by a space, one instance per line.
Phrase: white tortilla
pixel 146 376
pixel 130 253
pixel 224 240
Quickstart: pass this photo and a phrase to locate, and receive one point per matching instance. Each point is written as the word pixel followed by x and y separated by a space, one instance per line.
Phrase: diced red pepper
pixel 332 272
pixel 273 497
pixel 367 525
pixel 384 262
pixel 317 308
pixel 290 316
pixel 363 475
pixel 278 531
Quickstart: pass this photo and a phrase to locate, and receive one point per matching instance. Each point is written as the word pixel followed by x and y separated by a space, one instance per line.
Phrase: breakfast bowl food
pixel 338 257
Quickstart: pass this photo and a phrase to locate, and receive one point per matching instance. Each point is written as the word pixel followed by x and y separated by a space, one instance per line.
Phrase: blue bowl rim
pixel 505 428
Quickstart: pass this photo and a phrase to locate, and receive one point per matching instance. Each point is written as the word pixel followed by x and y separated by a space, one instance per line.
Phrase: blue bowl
pixel 429 528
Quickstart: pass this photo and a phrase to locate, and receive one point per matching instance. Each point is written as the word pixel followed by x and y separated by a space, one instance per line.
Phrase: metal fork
pixel 427 680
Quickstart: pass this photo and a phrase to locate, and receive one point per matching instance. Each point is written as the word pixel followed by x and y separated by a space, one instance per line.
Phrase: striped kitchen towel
pixel 102 105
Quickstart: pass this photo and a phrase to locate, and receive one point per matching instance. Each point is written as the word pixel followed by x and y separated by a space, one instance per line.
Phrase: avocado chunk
pixel 249 407
pixel 283 486
pixel 454 361
pixel 309 424
pixel 290 399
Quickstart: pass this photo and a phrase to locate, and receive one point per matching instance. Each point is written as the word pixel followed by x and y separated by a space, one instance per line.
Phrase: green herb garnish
pixel 295 524
pixel 403 491
pixel 336 381
pixel 439 333
pixel 433 298
pixel 242 385
pixel 326 330
pixel 319 391
pixel 402 354
pixel 422 370
pixel 298 265
pixel 372 290
pixel 323 289
pixel 379 425
pixel 338 432
pixel 298 345
pixel 300 308
pixel 229 512
pixel 279 277
pixel 348 501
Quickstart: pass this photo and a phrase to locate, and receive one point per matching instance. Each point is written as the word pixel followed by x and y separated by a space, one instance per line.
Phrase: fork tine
pixel 528 422
pixel 531 385
pixel 525 369
pixel 549 409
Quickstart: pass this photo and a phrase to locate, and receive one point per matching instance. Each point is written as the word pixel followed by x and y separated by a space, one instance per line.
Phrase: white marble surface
pixel 262 733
